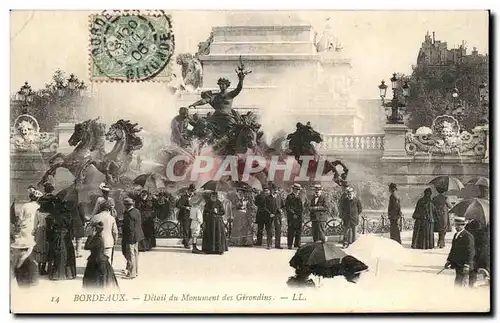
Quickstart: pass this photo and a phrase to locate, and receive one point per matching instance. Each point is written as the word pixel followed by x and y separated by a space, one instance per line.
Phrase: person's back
pixel 110 229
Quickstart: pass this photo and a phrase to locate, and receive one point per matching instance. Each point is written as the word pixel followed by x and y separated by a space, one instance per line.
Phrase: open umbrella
pixel 326 260
pixel 216 186
pixel 372 249
pixel 478 209
pixel 483 181
pixel 446 183
pixel 242 186
pixel 150 181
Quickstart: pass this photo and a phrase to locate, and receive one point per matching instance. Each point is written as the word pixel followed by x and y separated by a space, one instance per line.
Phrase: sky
pixel 378 42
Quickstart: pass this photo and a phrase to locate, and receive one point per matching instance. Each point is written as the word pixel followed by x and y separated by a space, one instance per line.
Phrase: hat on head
pixel 214 193
pixel 296 186
pixel 459 220
pixel 191 187
pixel 317 187
pixel 349 189
pixel 104 187
pixel 48 186
pixel 99 226
pixel 393 186
pixel 128 201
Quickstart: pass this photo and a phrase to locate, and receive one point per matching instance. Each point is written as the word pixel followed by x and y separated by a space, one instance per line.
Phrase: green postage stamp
pixel 130 46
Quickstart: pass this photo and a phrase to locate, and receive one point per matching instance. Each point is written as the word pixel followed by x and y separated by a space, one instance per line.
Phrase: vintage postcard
pixel 168 161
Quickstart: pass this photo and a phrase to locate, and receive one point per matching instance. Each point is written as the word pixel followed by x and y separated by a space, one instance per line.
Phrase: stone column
pixel 395 142
pixel 64 132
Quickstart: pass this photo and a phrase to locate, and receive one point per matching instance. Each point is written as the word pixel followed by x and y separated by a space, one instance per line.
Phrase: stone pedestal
pixel 64 132
pixel 26 168
pixel 289 77
pixel 394 143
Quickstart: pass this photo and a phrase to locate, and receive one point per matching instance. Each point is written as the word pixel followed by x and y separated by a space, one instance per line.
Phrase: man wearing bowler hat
pixel 461 256
pixel 132 234
pixel 318 214
pixel 294 210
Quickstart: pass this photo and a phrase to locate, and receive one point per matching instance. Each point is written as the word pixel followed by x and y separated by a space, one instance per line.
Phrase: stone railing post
pixel 395 141
pixel 486 129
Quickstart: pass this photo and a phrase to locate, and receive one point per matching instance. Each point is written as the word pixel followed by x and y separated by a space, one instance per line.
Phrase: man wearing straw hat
pixel 105 189
pixel 461 256
pixel 318 214
pixel 132 234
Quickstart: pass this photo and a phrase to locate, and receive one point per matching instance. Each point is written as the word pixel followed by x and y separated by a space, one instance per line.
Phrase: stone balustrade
pixel 352 142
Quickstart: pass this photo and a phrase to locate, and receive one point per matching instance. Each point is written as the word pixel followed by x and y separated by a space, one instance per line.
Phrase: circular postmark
pixel 130 47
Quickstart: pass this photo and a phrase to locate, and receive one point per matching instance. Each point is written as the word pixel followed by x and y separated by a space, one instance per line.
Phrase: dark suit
pixel 184 219
pixel 461 254
pixel 319 216
pixel 394 214
pixel 268 208
pixel 350 209
pixel 131 235
pixel 294 211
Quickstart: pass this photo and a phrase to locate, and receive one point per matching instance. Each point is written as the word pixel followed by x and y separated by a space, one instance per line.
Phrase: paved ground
pixel 261 274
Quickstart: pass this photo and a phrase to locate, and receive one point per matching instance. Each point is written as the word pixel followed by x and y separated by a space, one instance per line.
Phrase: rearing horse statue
pixel 300 144
pixel 117 161
pixel 87 138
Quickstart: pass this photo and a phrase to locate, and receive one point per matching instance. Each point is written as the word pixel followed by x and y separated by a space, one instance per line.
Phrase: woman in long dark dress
pixel 61 255
pixel 145 205
pixel 214 233
pixel 424 215
pixel 98 273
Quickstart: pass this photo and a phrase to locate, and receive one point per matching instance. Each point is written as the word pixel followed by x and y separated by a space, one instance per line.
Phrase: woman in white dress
pixel 22 248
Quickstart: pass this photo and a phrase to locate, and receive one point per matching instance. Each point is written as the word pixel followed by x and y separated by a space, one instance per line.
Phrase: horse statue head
pixel 82 134
pixel 123 131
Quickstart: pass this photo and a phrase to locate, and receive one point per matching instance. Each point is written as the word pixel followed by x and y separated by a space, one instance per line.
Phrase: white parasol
pixel 373 250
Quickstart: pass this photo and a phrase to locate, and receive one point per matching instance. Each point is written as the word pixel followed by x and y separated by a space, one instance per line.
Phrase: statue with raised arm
pixel 224 117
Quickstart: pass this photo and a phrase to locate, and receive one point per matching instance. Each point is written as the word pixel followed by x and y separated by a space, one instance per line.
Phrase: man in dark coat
pixel 132 234
pixel 442 224
pixel 461 256
pixel 278 218
pixel 294 210
pixel 480 232
pixel 394 213
pixel 267 209
pixel 183 215
pixel 318 214
pixel 350 209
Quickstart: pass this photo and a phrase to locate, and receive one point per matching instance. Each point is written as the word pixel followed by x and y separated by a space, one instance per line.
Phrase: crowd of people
pixel 470 250
pixel 48 230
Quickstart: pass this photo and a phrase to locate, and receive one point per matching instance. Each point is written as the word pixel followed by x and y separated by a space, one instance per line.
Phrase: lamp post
pixel 484 102
pixel 75 90
pixel 25 97
pixel 394 117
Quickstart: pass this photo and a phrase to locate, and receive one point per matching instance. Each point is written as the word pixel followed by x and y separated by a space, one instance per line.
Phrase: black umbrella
pixel 216 186
pixel 326 260
pixel 151 181
pixel 446 183
pixel 242 186
pixel 478 209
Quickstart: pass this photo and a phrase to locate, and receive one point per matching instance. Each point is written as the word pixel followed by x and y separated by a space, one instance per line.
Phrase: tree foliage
pixel 431 89
pixel 48 107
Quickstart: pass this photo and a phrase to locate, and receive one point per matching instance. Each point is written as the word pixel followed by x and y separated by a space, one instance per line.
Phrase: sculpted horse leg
pixel 57 155
pixel 50 172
